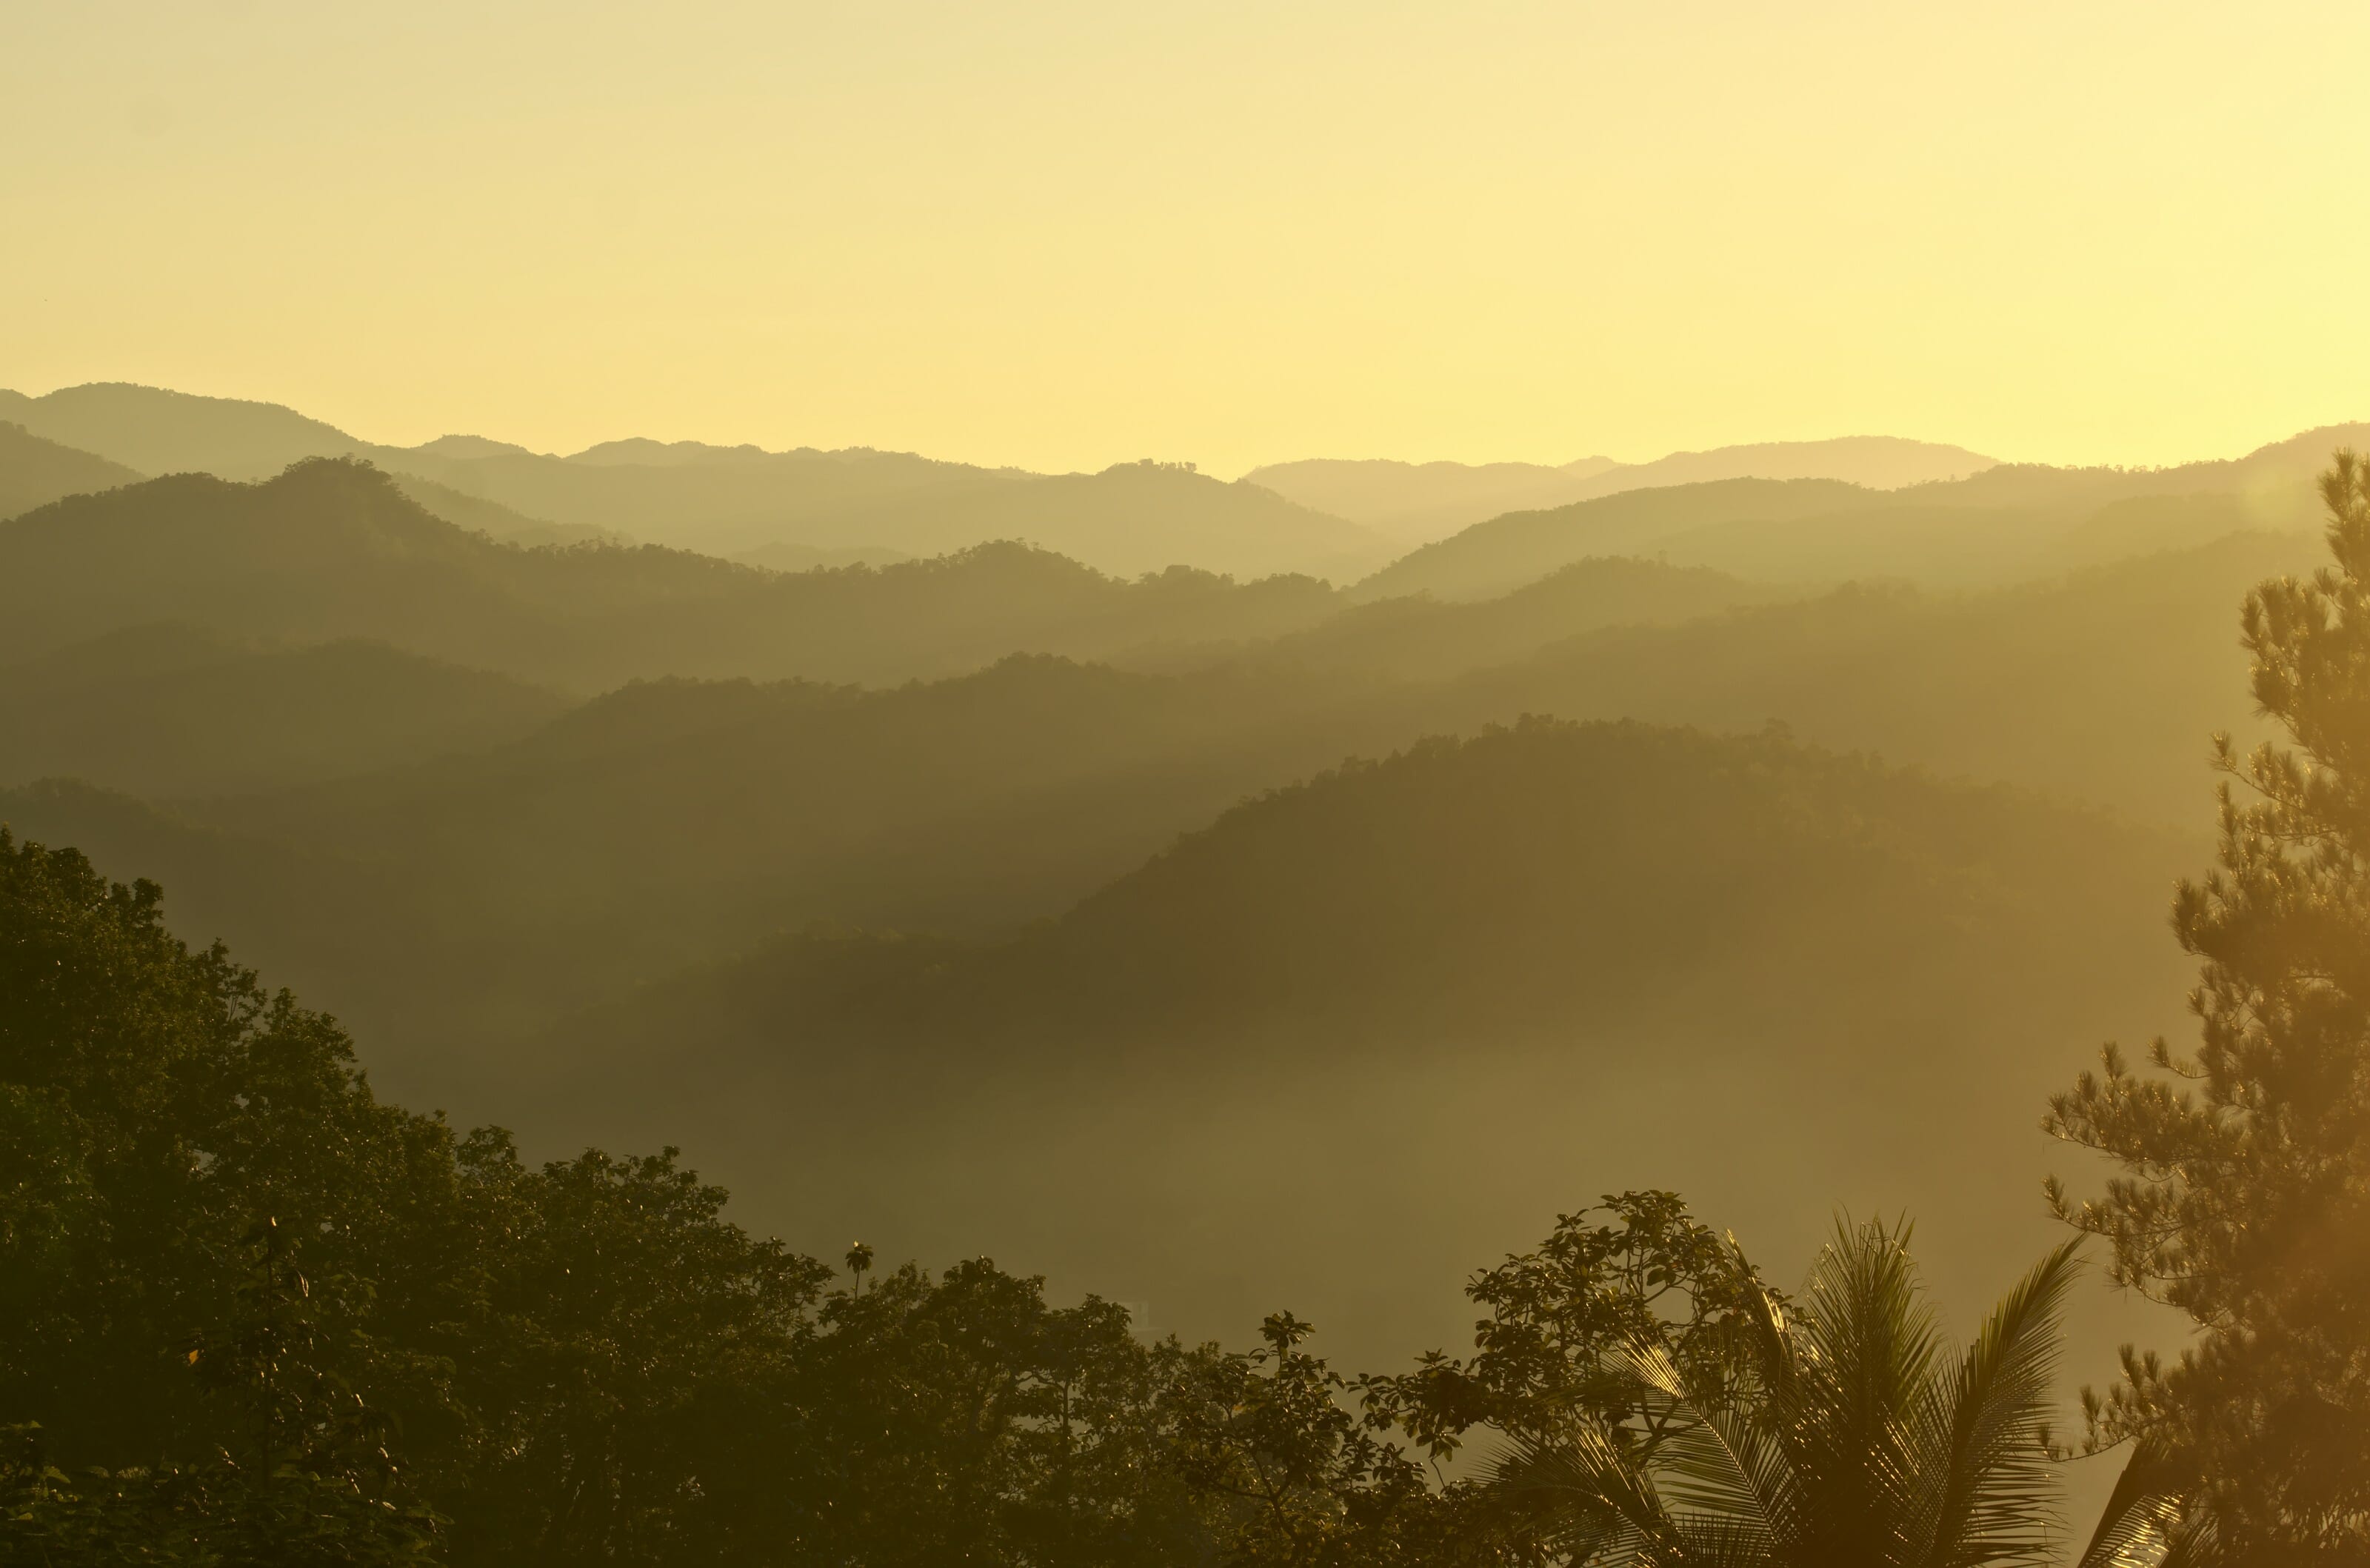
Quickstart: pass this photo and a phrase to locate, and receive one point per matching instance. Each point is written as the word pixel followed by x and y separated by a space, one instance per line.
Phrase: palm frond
pixel 1869 1348
pixel 2194 1544
pixel 2141 1525
pixel 1986 1488
pixel 1713 1540
pixel 1602 1505
pixel 1718 1461
pixel 1775 1354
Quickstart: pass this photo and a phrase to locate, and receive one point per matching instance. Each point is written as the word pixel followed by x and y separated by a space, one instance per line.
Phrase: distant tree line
pixel 250 1314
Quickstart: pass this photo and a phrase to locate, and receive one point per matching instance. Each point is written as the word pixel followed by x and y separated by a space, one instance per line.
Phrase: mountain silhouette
pixel 1416 502
pixel 2010 521
pixel 1126 520
pixel 333 549
pixel 34 471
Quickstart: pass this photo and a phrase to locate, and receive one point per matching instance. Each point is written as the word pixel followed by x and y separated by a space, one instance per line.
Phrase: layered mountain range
pixel 1677 797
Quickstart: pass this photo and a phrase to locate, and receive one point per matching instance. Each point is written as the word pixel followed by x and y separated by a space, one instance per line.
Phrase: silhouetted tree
pixel 1291 1475
pixel 201 1244
pixel 1831 1430
pixel 2245 1198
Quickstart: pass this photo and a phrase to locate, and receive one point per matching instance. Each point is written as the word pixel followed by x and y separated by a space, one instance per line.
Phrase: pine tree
pixel 2245 1196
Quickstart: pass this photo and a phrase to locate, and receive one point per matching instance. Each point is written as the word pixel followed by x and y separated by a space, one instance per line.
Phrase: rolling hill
pixel 157 431
pixel 334 549
pixel 165 711
pixel 35 472
pixel 2101 686
pixel 1632 955
pixel 1466 881
pixel 1422 639
pixel 1497 557
pixel 668 822
pixel 1563 931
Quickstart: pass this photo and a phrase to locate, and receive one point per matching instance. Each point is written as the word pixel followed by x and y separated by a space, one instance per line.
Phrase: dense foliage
pixel 249 1313
pixel 252 1314
pixel 1836 1430
pixel 2247 1188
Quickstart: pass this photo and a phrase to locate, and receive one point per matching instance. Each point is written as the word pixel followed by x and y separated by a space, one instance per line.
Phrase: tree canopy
pixel 2245 1196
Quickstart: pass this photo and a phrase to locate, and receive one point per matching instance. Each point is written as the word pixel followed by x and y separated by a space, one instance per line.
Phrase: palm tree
pixel 1846 1436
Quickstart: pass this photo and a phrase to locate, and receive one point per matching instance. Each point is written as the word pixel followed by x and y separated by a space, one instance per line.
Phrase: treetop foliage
pixel 2246 1167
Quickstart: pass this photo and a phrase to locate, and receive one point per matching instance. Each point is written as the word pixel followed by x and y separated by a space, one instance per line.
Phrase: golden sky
pixel 1061 235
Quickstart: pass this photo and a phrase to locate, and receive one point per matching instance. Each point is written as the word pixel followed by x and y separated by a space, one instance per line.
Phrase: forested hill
pixel 2098 686
pixel 677 822
pixel 1498 555
pixel 331 1329
pixel 1256 1063
pixel 167 711
pixel 1423 639
pixel 673 823
pixel 335 550
pixel 1539 872
pixel 1247 1069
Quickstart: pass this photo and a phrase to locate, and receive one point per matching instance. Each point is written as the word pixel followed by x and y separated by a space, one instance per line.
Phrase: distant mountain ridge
pixel 34 471
pixel 1806 514
pixel 1418 501
pixel 2008 522
pixel 1127 520
pixel 332 548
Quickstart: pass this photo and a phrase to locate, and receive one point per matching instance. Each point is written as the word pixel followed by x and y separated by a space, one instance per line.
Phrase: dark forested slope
pixel 1252 1068
pixel 717 809
pixel 1538 872
pixel 2101 686
pixel 1419 638
pixel 674 821
pixel 251 1312
pixel 1621 952
pixel 166 710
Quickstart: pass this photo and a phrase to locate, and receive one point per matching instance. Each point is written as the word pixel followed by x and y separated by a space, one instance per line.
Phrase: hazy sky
pixel 1060 234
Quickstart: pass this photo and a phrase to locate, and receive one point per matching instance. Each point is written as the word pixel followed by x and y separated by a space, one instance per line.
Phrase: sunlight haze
pixel 1062 236
pixel 1047 785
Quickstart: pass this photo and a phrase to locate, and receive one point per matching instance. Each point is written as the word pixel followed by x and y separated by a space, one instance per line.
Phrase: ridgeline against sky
pixel 1062 235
